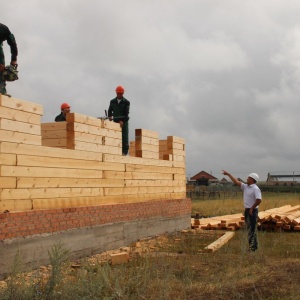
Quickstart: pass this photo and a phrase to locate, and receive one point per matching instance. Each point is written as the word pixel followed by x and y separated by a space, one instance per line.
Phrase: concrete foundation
pixel 84 241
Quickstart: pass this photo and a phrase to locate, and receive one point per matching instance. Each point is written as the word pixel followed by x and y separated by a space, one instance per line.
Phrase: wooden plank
pixel 90 147
pixel 78 127
pixel 17 137
pixel 176 139
pixel 219 242
pixel 139 145
pixel 8 182
pixel 59 143
pixel 19 148
pixel 179 158
pixel 110 125
pixel 108 141
pixel 21 116
pixel 8 159
pixel 152 175
pixel 117 175
pixel 119 258
pixel 79 118
pixel 20 171
pixel 56 162
pixel 36 182
pixel 148 168
pixel 179 164
pixel 146 140
pixel 146 133
pixel 54 134
pixel 16 126
pixel 176 152
pixel 36 193
pixel 178 146
pixel 152 183
pixel 146 154
pixel 132 148
pixel 16 205
pixel 54 126
pixel 21 105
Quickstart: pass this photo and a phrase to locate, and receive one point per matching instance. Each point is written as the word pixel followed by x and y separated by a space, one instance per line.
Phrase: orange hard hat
pixel 65 105
pixel 120 89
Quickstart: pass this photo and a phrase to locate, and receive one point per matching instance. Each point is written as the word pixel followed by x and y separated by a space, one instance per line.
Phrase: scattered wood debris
pixel 284 218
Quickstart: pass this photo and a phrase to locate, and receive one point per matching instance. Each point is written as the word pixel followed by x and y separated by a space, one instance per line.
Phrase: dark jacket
pixel 120 111
pixel 6 35
pixel 60 118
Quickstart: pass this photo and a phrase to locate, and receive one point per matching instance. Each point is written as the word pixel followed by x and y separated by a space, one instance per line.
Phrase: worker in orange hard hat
pixel 118 112
pixel 65 109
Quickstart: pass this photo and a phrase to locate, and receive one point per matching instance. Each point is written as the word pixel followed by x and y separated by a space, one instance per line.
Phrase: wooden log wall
pixel 80 162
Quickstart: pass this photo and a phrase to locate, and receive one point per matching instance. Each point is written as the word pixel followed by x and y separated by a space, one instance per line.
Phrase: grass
pixel 178 268
pixel 227 206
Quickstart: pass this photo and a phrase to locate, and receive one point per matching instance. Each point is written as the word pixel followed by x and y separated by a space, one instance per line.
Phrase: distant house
pixel 225 181
pixel 284 178
pixel 203 176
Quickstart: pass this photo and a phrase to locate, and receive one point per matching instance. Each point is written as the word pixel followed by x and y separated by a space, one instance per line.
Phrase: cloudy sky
pixel 223 74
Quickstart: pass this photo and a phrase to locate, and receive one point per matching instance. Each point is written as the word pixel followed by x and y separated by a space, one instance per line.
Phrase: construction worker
pixel 65 109
pixel 6 35
pixel 118 111
pixel 252 198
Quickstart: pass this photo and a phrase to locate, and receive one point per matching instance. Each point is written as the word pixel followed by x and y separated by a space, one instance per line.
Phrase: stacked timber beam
pixel 79 162
pixel 285 218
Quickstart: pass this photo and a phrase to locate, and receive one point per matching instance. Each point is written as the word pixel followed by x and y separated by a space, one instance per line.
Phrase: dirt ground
pixel 159 245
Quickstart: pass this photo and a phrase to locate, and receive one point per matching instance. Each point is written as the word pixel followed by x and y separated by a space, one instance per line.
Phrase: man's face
pixel 119 95
pixel 250 181
pixel 66 110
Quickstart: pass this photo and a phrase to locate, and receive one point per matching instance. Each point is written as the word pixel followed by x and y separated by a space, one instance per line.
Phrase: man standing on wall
pixel 252 198
pixel 118 111
pixel 65 109
pixel 6 35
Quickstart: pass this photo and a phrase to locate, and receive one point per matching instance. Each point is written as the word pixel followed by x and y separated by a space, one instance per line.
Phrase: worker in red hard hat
pixel 118 112
pixel 65 109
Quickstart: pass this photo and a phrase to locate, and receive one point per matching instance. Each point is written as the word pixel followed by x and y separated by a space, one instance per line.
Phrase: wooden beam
pixel 219 242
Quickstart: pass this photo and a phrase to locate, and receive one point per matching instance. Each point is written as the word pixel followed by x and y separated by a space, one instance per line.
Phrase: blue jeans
pixel 251 224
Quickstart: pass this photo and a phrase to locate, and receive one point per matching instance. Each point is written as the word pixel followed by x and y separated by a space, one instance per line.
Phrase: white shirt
pixel 251 193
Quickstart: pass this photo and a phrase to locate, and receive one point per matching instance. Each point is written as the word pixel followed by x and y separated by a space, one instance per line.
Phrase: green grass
pixel 178 267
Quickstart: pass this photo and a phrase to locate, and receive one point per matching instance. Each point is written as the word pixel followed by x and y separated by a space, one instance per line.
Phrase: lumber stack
pixel 77 163
pixel 227 222
pixel 285 218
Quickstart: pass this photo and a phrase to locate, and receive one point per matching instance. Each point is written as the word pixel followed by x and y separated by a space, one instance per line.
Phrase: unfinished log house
pixel 68 182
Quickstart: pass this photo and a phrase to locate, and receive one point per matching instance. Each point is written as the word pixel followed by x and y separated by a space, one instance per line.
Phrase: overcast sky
pixel 223 74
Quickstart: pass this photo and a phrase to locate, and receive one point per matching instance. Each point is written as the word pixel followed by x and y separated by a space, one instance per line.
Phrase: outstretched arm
pixel 233 179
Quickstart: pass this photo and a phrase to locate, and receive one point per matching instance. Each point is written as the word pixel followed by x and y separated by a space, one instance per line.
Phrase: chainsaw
pixel 114 118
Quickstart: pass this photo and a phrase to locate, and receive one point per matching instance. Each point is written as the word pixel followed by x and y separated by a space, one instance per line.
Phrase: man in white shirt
pixel 252 198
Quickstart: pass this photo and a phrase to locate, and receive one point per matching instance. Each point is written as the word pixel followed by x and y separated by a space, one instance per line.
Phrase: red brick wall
pixel 22 224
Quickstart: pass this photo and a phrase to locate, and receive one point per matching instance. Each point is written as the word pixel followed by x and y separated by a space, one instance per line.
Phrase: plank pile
pixel 285 218
pixel 228 222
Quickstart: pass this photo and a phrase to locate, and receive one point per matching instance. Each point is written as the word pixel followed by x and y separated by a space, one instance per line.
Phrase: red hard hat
pixel 120 89
pixel 65 105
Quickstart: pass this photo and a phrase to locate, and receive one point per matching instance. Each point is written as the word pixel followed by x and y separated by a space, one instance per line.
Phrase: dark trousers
pixel 125 139
pixel 2 85
pixel 251 224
